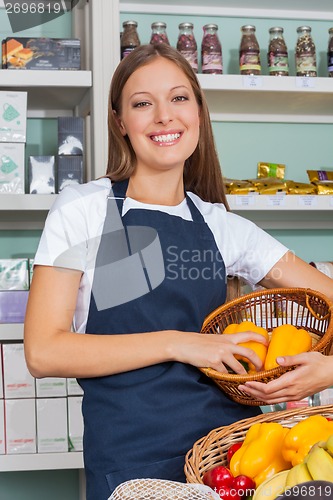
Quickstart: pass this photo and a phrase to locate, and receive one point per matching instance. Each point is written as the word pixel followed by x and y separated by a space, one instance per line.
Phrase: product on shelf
pixel 52 426
pixel 211 51
pixel 41 174
pixel 20 426
pixel 12 168
pixel 129 38
pixel 14 274
pixel 269 185
pixel 249 52
pixel 187 45
pixel 305 53
pixel 158 33
pixel 13 304
pixel 330 53
pixel 70 135
pixel 41 53
pixel 277 55
pixel 320 175
pixel 13 116
pixel 301 188
pixel 276 170
pixel 69 171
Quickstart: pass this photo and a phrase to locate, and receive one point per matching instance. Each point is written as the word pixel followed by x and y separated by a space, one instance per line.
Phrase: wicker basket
pixel 211 450
pixel 300 307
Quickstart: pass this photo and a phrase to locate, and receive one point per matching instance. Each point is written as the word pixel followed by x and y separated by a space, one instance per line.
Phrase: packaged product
pixel 324 187
pixel 300 188
pixel 240 187
pixel 269 185
pixel 325 174
pixel 271 170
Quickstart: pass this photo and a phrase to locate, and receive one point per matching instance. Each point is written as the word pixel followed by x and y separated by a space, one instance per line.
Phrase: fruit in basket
pixel 257 347
pixel 301 437
pixel 320 464
pixel 286 340
pixel 260 456
pixel 298 474
pixel 218 477
pixel 232 449
pixel 272 487
pixel 244 485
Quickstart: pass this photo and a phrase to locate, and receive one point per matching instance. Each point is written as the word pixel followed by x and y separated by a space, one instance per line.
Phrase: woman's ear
pixel 119 123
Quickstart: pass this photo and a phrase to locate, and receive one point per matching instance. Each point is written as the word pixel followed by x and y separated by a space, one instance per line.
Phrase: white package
pixel 18 382
pixel 2 428
pixel 73 387
pixel 75 423
pixel 20 426
pixel 1 374
pixel 52 426
pixel 12 171
pixel 13 116
pixel 51 387
pixel 14 274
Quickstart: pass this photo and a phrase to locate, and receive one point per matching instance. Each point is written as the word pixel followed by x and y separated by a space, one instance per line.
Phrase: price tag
pixel 307 200
pixel 276 200
pixel 252 81
pixel 305 82
pixel 244 200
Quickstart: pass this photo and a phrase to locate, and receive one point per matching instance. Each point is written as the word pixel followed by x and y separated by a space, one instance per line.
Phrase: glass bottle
pixel 249 52
pixel 305 53
pixel 129 38
pixel 277 56
pixel 211 51
pixel 330 53
pixel 187 45
pixel 159 34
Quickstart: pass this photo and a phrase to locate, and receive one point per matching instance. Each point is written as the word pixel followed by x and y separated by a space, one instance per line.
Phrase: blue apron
pixel 142 422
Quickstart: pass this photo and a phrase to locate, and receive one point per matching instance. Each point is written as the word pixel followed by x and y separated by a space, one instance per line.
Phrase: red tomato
pixel 228 493
pixel 234 447
pixel 244 485
pixel 218 477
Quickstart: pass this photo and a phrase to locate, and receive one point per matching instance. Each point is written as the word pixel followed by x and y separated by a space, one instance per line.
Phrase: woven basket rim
pixel 231 377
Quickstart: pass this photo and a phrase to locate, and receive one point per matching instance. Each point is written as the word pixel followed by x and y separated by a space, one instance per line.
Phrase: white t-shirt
pixel 75 223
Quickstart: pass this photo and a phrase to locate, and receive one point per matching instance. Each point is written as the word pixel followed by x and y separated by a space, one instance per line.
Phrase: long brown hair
pixel 202 172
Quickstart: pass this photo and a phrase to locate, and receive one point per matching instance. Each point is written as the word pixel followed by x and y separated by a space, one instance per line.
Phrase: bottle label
pixel 330 61
pixel 306 63
pixel 278 62
pixel 192 57
pixel 126 50
pixel 212 62
pixel 249 60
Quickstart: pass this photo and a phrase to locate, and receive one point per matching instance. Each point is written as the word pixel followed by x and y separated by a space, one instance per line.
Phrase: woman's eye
pixel 180 98
pixel 141 104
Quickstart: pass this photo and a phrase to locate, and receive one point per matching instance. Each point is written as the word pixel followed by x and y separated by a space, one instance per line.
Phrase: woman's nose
pixel 163 113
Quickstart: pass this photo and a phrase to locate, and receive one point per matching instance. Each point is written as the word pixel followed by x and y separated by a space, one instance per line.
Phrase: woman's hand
pixel 313 373
pixel 216 351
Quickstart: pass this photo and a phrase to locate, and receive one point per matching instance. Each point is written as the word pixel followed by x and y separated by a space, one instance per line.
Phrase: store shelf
pixel 285 211
pixel 284 9
pixel 11 331
pixel 267 99
pixel 61 92
pixel 24 211
pixel 41 461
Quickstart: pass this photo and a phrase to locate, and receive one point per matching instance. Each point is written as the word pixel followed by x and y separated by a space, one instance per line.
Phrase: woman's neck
pixel 158 189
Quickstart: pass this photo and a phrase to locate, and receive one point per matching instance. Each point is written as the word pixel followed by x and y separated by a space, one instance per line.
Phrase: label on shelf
pixel 245 200
pixel 276 200
pixel 305 82
pixel 252 81
pixel 308 200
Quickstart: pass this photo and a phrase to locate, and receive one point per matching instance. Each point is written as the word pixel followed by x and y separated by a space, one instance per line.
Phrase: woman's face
pixel 160 116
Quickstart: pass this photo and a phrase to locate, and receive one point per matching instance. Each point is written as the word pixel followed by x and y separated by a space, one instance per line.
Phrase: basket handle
pixel 314 313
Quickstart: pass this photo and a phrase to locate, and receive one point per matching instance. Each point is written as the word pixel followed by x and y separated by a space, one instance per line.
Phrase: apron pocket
pixel 171 469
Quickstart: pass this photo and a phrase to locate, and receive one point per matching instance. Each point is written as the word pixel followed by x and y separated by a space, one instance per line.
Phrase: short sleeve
pixel 64 239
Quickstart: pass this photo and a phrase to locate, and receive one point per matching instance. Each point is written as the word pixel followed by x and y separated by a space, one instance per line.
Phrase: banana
pixel 272 487
pixel 329 445
pixel 320 464
pixel 298 474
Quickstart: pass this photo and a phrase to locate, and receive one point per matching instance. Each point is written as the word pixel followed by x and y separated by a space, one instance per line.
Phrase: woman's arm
pixel 51 349
pixel 314 371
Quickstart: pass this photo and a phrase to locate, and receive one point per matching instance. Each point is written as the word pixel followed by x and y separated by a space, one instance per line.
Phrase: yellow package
pixel 320 175
pixel 276 170
pixel 324 187
pixel 240 187
pixel 269 185
pixel 300 188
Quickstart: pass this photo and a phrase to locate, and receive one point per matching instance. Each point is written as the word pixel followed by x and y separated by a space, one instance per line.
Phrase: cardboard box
pixel 13 116
pixel 20 426
pixel 75 423
pixel 18 382
pixel 2 428
pixel 14 274
pixel 13 305
pixel 52 426
pixel 41 53
pixel 51 387
pixel 12 169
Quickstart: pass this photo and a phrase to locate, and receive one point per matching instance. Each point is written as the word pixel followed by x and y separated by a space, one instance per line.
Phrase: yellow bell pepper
pixel 299 439
pixel 260 455
pixel 286 340
pixel 259 349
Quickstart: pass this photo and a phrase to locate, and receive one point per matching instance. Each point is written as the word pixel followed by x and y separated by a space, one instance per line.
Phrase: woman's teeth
pixel 165 138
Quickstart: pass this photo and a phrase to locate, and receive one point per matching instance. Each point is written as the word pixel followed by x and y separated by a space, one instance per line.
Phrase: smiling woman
pixel 103 266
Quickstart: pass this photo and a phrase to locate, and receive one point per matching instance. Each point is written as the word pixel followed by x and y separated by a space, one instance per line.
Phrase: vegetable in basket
pixel 260 456
pixel 286 340
pixel 257 347
pixel 299 439
pixel 221 480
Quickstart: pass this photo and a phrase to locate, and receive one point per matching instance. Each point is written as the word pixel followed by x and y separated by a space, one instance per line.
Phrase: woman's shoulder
pixel 83 194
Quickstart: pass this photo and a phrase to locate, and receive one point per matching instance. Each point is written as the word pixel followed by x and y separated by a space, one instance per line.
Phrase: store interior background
pixel 241 146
